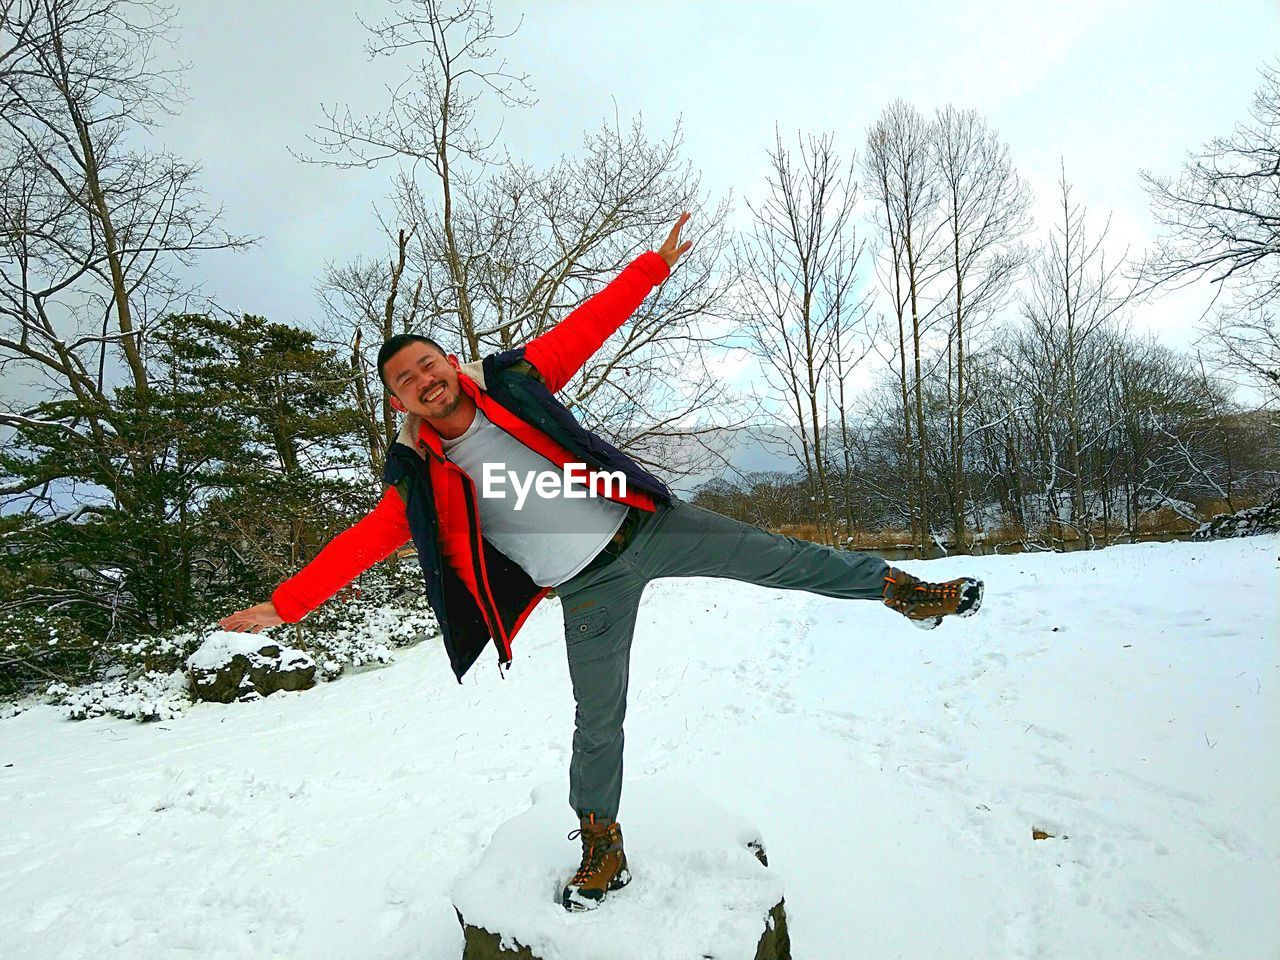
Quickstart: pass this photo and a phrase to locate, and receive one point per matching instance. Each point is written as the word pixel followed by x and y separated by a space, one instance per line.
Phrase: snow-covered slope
pixel 1123 701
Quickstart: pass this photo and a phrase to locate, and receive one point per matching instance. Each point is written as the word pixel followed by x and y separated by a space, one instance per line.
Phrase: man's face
pixel 423 381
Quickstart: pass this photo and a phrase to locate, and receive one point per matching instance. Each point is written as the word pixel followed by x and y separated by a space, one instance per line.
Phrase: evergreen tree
pixel 237 464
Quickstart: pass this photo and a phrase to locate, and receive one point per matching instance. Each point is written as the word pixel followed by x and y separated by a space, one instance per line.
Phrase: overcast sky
pixel 1110 87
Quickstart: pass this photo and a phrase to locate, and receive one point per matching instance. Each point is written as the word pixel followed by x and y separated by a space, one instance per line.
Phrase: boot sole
pixel 972 586
pixel 589 903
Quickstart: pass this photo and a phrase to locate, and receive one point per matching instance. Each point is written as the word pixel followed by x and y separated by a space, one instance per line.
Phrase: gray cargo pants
pixel 601 602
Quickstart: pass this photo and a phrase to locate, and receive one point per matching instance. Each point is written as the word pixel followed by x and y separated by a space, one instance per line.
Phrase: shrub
pixel 145 678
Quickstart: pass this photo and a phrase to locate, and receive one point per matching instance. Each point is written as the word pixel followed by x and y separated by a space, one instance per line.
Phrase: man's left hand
pixel 672 250
pixel 252 619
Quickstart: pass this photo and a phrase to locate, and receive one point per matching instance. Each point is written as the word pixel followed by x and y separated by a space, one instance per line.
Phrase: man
pixel 488 558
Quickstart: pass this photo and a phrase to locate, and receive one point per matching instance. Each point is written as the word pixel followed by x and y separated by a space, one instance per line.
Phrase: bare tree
pixel 432 120
pixel 985 207
pixel 1221 214
pixel 844 363
pixel 901 180
pixel 363 308
pixel 1076 294
pixel 97 472
pixel 800 306
pixel 502 250
pixel 1247 345
pixel 1221 220
pixel 91 226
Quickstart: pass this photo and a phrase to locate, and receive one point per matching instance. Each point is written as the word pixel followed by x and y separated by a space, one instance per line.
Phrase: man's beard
pixel 451 405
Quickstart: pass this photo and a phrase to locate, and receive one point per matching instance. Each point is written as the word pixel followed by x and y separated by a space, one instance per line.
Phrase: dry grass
pixel 1004 533
pixel 1152 522
pixel 862 539
pixel 886 539
pixel 801 531
pixel 1164 520
pixel 1211 508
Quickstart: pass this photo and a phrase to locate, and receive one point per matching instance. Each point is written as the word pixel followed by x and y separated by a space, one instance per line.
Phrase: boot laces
pixel 594 847
pixel 937 591
pixel 911 593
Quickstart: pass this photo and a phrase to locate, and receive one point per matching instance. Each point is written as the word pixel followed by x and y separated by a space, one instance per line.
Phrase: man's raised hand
pixel 252 619
pixel 672 250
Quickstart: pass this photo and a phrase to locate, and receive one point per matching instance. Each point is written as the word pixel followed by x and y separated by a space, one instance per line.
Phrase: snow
pixel 154 695
pixel 1124 701
pixel 221 646
pixel 698 879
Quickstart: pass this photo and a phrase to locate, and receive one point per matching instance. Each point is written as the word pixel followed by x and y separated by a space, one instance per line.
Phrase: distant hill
pixel 752 449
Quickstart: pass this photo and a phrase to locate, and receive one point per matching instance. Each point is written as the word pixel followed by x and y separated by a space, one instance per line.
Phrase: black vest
pixel 517 387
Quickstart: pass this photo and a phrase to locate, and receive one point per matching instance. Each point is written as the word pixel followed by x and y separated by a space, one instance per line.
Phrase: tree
pixel 99 456
pixel 901 179
pixel 248 439
pixel 293 480
pixel 90 229
pixel 363 308
pixel 502 251
pixel 985 208
pixel 1221 214
pixel 1247 346
pixel 1221 220
pixel 89 214
pixel 799 303
pixel 1076 294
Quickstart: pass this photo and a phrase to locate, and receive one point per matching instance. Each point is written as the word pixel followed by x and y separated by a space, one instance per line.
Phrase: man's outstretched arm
pixel 561 352
pixel 347 555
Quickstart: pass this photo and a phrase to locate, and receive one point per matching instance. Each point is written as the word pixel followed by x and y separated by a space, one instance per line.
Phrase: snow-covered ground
pixel 1123 701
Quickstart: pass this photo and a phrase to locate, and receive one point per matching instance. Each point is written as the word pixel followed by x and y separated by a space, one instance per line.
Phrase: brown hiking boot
pixel 604 865
pixel 925 604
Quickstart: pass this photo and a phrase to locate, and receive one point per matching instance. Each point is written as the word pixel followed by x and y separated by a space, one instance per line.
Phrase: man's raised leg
pixel 688 541
pixel 683 540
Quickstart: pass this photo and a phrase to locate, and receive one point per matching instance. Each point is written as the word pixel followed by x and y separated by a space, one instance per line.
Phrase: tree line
pixel 165 459
pixel 1018 397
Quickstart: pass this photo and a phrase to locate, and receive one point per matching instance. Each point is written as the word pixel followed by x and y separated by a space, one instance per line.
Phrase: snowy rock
pixel 240 666
pixel 699 886
pixel 1243 523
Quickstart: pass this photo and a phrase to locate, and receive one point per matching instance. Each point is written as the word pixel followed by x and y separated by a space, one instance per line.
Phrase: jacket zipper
pixel 490 607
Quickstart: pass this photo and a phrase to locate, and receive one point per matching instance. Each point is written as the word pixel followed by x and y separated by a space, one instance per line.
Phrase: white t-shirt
pixel 551 537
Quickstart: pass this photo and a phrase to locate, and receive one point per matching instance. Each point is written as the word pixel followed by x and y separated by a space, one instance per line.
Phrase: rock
pixel 775 943
pixel 1243 523
pixel 242 666
pixel 700 885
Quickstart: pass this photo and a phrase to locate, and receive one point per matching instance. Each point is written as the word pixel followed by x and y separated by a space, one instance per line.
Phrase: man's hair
pixel 394 346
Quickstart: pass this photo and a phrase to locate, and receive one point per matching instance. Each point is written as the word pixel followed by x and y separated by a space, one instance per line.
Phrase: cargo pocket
pixel 585 625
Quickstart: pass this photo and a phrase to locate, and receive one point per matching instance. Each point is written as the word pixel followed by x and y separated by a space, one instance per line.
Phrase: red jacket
pixel 497 607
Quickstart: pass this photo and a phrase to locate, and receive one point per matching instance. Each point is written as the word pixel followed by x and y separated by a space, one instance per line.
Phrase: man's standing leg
pixel 599 619
pixel 600 609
